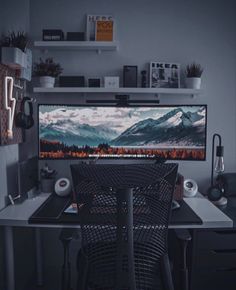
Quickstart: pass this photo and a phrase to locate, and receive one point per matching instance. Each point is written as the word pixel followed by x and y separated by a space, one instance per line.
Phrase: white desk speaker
pixel 190 188
pixel 63 187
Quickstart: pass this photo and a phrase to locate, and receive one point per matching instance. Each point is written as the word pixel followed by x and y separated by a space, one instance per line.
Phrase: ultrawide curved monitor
pixel 139 132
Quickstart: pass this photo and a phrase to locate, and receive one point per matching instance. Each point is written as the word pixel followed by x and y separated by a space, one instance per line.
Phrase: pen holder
pixel 47 185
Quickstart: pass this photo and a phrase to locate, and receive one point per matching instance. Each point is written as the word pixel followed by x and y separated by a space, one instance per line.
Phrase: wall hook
pixel 18 86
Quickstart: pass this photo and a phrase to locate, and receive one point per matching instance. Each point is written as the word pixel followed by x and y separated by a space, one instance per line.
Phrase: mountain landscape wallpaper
pixel 170 132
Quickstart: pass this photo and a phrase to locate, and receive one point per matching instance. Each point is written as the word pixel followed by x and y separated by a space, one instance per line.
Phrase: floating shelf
pixel 77 45
pixel 155 91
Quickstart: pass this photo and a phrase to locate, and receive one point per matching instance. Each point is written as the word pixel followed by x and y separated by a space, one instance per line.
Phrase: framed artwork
pixel 164 75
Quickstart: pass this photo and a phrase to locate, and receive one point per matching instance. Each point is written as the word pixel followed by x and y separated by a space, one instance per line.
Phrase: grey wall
pixel 176 31
pixel 14 15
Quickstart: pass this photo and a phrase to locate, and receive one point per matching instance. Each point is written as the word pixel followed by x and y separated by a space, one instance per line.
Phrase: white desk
pixel 18 215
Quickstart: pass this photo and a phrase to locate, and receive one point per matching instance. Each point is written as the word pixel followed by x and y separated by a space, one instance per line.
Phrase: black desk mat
pixel 52 212
pixel 184 215
pixel 230 209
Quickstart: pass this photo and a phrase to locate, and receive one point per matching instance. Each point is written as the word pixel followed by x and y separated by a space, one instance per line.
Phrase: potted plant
pixel 47 177
pixel 47 71
pixel 13 49
pixel 193 76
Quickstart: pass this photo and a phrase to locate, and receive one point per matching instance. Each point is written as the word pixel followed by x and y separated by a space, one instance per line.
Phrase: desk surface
pixel 18 214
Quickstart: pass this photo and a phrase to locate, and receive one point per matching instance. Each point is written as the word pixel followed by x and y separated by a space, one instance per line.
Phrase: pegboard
pixel 17 132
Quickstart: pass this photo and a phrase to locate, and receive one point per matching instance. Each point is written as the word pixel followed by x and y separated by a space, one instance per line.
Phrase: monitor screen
pixel 75 131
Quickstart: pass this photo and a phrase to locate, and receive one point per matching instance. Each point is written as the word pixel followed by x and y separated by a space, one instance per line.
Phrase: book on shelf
pixel 104 30
pixel 91 25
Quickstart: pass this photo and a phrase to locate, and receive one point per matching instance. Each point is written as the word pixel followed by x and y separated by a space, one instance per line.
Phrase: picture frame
pixel 164 75
pixel 111 82
pixel 91 24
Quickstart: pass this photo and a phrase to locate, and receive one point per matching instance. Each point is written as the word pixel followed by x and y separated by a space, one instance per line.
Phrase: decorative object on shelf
pixel 10 104
pixel 216 192
pixel 75 36
pixel 18 40
pixel 26 72
pixel 17 134
pixel 47 178
pixel 130 76
pixel 13 57
pixel 71 81
pixel 111 82
pixel 62 187
pixel 164 75
pixel 94 82
pixel 190 188
pixel 104 30
pixel 13 49
pixel 143 78
pixel 47 71
pixel 53 35
pixel 193 76
pixel 24 118
pixel 91 25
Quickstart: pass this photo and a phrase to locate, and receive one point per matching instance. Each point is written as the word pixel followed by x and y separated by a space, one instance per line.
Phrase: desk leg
pixel 9 258
pixel 39 257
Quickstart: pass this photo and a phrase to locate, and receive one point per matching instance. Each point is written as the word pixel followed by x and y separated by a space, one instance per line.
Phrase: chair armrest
pixel 68 234
pixel 183 235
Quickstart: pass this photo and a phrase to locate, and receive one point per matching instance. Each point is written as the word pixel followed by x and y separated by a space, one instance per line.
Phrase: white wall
pixel 179 31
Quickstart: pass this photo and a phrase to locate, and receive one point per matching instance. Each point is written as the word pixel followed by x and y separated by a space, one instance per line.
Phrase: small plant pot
pixel 193 83
pixel 13 57
pixel 47 82
pixel 47 185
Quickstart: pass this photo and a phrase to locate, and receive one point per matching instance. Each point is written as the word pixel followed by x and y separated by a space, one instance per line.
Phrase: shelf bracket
pixel 99 51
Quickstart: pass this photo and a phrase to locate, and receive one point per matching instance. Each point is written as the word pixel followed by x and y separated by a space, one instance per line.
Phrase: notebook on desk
pixel 57 210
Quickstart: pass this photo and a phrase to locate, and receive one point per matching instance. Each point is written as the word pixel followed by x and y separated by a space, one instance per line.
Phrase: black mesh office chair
pixel 124 213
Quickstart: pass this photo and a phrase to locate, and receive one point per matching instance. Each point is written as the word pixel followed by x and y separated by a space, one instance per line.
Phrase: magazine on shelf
pixel 164 75
pixel 92 24
pixel 104 30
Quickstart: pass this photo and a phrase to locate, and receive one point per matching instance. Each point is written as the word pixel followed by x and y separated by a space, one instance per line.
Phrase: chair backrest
pixel 124 213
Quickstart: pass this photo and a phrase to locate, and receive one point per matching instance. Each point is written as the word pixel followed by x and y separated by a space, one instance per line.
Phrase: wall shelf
pixel 98 46
pixel 154 91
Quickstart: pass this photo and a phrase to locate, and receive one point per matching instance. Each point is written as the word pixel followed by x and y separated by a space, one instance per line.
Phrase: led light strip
pixel 11 109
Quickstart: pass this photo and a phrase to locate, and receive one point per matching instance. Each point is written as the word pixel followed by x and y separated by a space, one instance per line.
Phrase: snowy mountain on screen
pixel 176 127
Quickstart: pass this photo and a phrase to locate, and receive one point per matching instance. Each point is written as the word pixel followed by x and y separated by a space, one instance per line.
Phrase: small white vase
pixel 193 83
pixel 47 82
